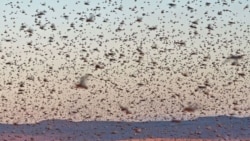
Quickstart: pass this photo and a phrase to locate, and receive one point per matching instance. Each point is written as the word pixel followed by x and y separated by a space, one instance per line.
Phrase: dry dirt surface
pixel 183 139
pixel 221 128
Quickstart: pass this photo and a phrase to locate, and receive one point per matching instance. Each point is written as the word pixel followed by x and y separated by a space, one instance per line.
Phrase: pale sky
pixel 170 73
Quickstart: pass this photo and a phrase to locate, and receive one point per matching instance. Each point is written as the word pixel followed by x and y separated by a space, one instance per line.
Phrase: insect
pixel 83 80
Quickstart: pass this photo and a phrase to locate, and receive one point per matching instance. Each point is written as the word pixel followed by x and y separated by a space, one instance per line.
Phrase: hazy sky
pixel 179 18
pixel 63 47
